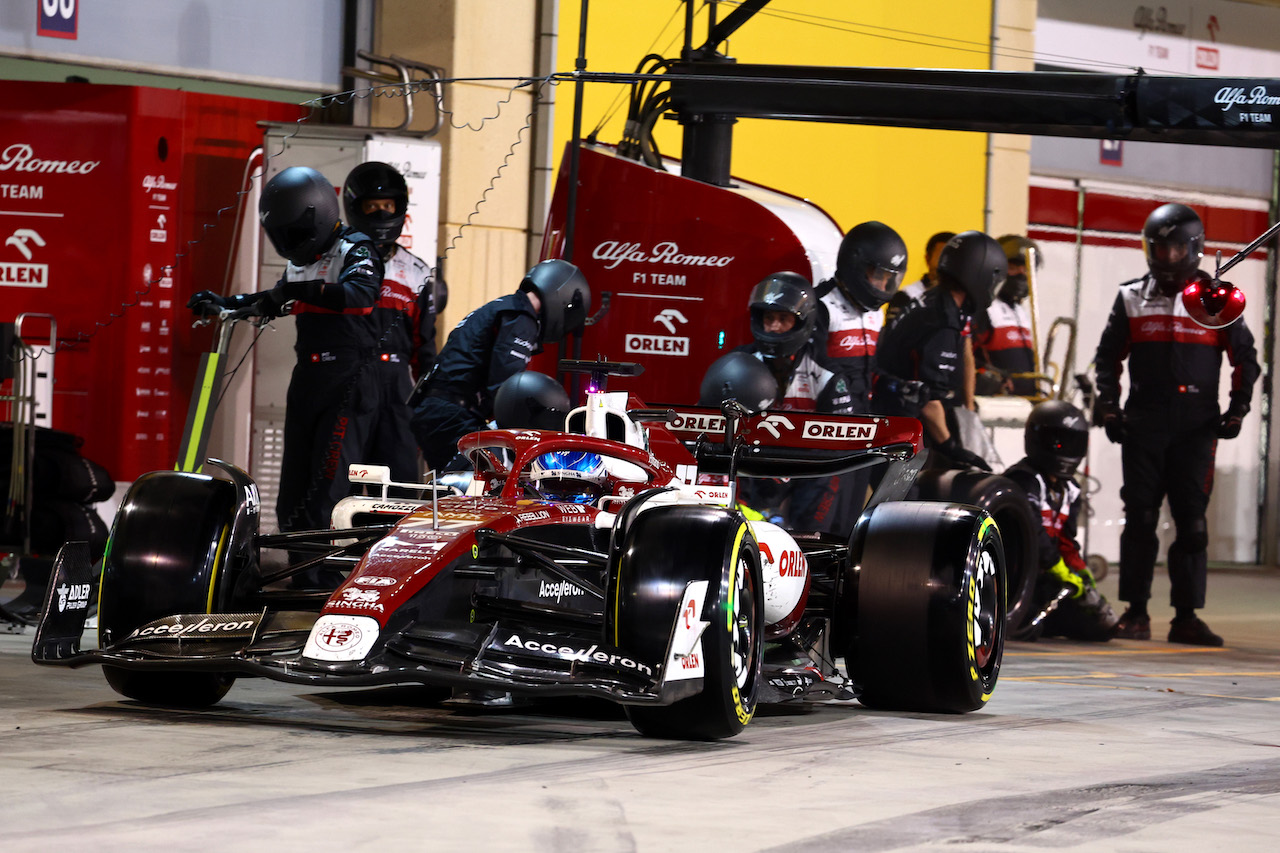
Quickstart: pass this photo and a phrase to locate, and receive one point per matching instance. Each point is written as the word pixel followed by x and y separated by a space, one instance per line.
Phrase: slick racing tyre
pixel 660 552
pixel 1019 527
pixel 926 597
pixel 167 555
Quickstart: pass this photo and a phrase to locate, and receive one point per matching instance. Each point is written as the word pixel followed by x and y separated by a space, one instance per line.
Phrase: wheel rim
pixel 743 623
pixel 986 610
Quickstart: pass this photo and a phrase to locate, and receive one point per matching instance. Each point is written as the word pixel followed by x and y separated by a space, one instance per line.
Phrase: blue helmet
pixel 569 476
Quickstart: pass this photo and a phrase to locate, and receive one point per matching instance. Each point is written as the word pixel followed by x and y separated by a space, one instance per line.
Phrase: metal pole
pixel 580 65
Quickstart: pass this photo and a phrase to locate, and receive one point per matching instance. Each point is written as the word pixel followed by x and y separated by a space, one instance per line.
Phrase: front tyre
pixel 167 555
pixel 928 599
pixel 662 550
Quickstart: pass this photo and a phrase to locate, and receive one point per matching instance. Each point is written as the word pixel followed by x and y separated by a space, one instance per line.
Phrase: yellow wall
pixel 917 181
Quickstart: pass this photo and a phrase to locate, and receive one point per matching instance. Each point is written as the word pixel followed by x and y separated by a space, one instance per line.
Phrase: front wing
pixel 508 654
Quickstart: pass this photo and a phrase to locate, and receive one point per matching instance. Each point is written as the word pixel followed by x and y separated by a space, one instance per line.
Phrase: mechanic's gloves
pixel 206 302
pixel 1061 573
pixel 1107 414
pixel 953 449
pixel 1229 424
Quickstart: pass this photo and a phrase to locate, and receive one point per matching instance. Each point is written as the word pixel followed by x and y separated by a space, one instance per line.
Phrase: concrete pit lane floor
pixel 1123 746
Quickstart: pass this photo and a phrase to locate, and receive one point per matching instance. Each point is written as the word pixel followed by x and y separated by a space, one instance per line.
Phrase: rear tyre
pixel 1019 527
pixel 927 597
pixel 662 550
pixel 167 554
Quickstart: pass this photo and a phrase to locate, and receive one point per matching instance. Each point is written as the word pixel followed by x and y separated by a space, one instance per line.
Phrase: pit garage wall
pixel 1090 235
pixel 1209 37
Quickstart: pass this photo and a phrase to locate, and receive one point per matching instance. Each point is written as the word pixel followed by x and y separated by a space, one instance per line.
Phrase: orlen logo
pixel 774 424
pixel 20 157
pixel 657 344
pixel 833 431
pixel 792 564
pixel 698 422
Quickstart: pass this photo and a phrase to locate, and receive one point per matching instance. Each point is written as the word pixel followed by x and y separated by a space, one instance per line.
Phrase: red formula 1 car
pixel 646 586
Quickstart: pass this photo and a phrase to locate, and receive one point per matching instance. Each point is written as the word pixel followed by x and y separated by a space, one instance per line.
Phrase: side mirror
pixel 1213 304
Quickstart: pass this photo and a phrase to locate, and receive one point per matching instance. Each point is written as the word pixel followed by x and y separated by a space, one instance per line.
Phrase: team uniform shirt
pixel 1058 508
pixel 490 345
pixel 1174 362
pixel 851 333
pixel 408 309
pixel 1002 339
pixel 925 344
pixel 337 311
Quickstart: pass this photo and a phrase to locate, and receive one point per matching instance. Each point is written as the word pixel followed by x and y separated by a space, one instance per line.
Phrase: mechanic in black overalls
pixel 331 285
pixel 919 359
pixel 1067 599
pixel 375 199
pixel 1169 428
pixel 491 344
pixel 1003 343
pixel 869 268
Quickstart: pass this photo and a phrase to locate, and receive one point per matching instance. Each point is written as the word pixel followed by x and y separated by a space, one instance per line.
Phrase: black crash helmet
pixel 871 250
pixel 738 376
pixel 565 295
pixel 1056 438
pixel 374 180
pixel 530 400
pixel 976 263
pixel 783 291
pixel 1173 240
pixel 299 212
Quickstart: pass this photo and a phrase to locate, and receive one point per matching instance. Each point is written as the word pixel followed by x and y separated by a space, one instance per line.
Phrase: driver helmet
pixel 976 264
pixel 1056 438
pixel 783 292
pixel 1173 240
pixel 569 476
pixel 565 296
pixel 374 181
pixel 299 212
pixel 871 263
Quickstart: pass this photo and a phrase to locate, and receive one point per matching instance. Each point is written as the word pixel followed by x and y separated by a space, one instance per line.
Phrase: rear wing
pixel 791 444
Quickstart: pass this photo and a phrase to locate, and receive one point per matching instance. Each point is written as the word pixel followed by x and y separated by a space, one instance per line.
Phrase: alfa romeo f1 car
pixel 629 573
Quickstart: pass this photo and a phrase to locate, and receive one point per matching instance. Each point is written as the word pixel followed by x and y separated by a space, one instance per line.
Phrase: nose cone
pixel 1213 304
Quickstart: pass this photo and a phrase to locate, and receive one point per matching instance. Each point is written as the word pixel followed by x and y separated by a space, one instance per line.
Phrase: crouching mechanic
pixel 784 311
pixel 1169 428
pixel 490 345
pixel 926 345
pixel 331 285
pixel 1066 597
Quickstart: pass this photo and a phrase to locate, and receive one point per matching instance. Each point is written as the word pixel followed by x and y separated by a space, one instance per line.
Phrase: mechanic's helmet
pixel 870 264
pixel 1018 250
pixel 569 476
pixel 1056 438
pixel 739 376
pixel 784 292
pixel 299 212
pixel 530 400
pixel 565 295
pixel 975 263
pixel 1173 239
pixel 374 181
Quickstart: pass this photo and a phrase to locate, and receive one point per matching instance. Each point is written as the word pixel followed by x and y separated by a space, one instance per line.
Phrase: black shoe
pixel 1133 626
pixel 1192 632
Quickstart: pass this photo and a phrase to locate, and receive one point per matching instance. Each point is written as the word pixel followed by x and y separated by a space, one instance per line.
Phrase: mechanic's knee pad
pixel 1192 536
